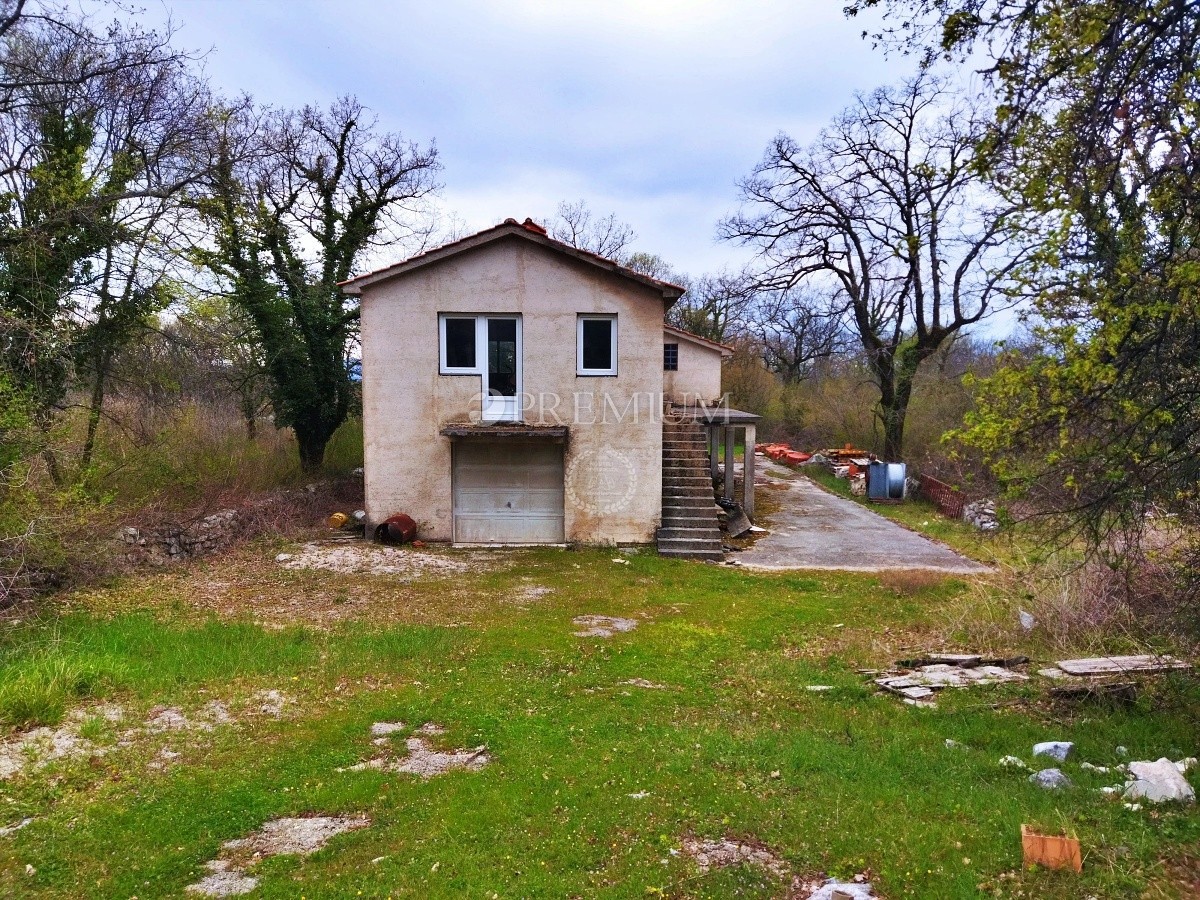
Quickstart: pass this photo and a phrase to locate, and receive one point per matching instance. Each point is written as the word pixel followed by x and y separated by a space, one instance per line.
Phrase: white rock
pixel 1027 620
pixel 1050 779
pixel 952 744
pixel 1158 782
pixel 10 829
pixel 283 557
pixel 1013 762
pixel 1057 750
pixel 855 889
pixel 1184 764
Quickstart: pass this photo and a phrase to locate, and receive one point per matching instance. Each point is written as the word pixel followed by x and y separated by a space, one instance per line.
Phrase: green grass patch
pixel 594 781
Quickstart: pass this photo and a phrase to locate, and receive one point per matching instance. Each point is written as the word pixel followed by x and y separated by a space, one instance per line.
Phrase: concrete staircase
pixel 689 519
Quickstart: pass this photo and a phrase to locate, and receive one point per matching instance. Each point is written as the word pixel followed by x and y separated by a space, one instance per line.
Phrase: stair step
pixel 688 518
pixel 698 501
pixel 690 545
pixel 710 535
pixel 688 507
pixel 689 522
pixel 693 554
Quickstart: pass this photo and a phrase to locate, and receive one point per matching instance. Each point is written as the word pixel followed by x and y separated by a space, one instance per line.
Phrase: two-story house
pixel 514 388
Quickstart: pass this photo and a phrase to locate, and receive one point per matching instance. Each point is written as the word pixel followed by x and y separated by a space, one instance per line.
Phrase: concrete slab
pixel 813 529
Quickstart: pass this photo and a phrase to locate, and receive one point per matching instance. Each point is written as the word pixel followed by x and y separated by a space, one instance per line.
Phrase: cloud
pixel 648 108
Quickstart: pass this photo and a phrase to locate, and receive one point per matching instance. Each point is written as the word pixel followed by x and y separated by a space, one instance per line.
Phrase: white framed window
pixel 596 340
pixel 487 345
pixel 461 344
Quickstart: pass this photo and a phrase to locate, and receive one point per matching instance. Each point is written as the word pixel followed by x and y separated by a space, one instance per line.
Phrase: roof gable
pixel 510 228
pixel 683 334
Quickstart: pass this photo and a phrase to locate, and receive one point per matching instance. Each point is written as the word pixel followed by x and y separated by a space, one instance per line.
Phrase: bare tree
pixel 577 225
pixel 796 329
pixel 296 200
pixel 100 132
pixel 717 306
pixel 886 211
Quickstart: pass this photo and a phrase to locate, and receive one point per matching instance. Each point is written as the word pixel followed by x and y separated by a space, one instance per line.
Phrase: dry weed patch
pixel 325 584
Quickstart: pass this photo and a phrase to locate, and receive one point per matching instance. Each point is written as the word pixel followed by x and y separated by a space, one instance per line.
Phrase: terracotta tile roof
pixel 529 230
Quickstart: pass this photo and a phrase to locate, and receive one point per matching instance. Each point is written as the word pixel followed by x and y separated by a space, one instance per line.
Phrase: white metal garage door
pixel 508 493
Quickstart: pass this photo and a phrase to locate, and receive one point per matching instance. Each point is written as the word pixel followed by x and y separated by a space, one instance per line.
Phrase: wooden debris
pixel 1117 665
pixel 924 680
pixel 963 660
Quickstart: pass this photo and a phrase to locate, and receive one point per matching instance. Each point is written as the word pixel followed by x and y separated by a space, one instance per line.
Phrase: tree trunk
pixel 250 417
pixel 94 412
pixel 45 421
pixel 893 410
pixel 312 441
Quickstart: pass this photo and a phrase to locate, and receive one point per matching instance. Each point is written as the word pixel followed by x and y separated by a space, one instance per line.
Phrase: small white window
pixel 459 337
pixel 597 345
pixel 670 357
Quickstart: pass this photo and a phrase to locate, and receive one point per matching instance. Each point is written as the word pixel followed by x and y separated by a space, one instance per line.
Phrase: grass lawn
pixel 593 783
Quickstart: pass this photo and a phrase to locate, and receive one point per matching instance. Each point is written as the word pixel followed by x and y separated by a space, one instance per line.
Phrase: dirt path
pixel 813 529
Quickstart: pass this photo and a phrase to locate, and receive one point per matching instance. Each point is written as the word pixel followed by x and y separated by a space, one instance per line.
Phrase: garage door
pixel 508 493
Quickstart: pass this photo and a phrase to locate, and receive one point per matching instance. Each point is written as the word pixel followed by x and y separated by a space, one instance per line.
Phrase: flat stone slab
pixel 923 681
pixel 1116 665
pixel 813 529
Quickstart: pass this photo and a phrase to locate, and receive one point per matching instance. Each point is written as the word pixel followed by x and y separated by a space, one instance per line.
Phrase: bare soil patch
pixel 357 557
pixel 227 874
pixel 711 854
pixel 646 684
pixel 423 758
pixel 603 626
pixel 38 747
pixel 349 580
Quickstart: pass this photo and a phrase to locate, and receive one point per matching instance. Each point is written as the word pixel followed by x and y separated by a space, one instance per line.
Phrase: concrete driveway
pixel 813 529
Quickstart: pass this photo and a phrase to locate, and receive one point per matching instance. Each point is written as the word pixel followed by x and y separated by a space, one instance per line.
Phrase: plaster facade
pixel 613 481
pixel 699 374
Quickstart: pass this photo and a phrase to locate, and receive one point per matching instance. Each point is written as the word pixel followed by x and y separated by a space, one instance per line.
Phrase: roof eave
pixel 725 350
pixel 353 286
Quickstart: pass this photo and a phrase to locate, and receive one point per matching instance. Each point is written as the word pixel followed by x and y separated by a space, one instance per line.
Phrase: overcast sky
pixel 652 109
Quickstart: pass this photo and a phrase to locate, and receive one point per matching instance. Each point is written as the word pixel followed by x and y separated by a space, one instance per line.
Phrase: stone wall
pixel 174 541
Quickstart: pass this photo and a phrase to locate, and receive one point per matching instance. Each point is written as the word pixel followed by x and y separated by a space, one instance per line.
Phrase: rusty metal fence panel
pixel 949 500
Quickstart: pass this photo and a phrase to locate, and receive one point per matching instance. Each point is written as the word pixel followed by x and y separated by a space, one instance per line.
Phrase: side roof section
pixel 683 334
pixel 530 231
